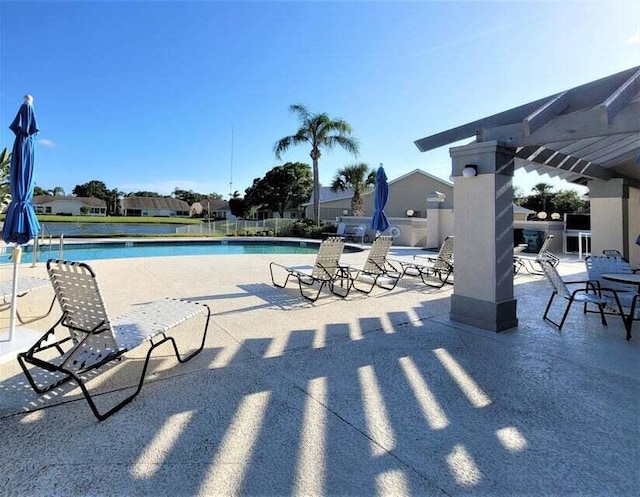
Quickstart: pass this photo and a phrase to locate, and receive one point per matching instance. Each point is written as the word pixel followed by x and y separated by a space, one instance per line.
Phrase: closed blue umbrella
pixel 380 222
pixel 21 223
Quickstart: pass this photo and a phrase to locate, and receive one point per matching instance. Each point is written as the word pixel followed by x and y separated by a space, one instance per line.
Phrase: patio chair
pixel 621 298
pixel 26 284
pixel 529 263
pixel 377 268
pixel 90 338
pixel 585 294
pixel 429 267
pixel 325 271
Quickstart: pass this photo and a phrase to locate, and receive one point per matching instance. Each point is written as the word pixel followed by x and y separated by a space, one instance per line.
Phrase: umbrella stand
pixel 16 256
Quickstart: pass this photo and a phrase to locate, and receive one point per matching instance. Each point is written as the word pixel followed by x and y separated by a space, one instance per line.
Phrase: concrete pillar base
pixel 491 316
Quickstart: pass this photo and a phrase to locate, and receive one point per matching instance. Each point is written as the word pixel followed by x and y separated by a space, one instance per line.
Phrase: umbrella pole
pixel 16 256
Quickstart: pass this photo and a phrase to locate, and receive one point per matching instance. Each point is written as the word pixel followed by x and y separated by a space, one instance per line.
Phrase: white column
pixel 483 230
pixel 434 201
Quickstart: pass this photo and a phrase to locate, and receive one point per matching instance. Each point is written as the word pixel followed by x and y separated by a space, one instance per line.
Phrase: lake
pixel 106 229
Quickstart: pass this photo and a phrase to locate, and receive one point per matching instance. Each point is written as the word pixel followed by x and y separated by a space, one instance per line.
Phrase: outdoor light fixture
pixel 409 213
pixel 345 212
pixel 555 216
pixel 470 170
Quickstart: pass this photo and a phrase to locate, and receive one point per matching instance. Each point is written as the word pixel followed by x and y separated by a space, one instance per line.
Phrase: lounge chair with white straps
pixel 325 271
pixel 377 270
pixel 434 270
pixel 86 337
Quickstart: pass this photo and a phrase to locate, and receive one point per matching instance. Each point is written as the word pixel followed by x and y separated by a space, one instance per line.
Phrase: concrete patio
pixel 372 395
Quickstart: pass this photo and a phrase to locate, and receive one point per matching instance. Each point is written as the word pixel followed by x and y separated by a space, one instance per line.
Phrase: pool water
pixel 127 249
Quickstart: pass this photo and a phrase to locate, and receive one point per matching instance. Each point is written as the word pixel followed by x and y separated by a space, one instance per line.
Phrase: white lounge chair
pixel 377 268
pixel 531 263
pixel 434 270
pixel 94 338
pixel 324 271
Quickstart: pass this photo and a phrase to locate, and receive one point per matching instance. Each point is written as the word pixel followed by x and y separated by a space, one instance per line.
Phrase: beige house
pixel 407 198
pixel 154 207
pixel 218 209
pixel 69 205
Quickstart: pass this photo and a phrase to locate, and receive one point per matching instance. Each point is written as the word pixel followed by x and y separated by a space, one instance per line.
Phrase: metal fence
pixel 272 226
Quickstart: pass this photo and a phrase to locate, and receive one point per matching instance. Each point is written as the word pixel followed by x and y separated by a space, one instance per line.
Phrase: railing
pixel 272 226
pixel 37 243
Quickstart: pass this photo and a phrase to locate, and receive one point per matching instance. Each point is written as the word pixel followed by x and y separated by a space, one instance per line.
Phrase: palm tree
pixel 319 131
pixel 357 177
pixel 543 189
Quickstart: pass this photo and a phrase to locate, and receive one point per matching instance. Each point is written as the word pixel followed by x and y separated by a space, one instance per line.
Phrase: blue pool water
pixel 126 249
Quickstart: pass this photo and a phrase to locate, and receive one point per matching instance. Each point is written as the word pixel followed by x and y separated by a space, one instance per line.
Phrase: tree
pixel 543 190
pixel 568 202
pixel 5 190
pixel 284 187
pixel 358 177
pixel 98 189
pixel 58 190
pixel 238 206
pixel 144 194
pixel 191 197
pixel 319 131
pixel 93 188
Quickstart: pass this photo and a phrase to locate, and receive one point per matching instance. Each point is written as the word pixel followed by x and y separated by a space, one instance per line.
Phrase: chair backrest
pixel 340 229
pixel 612 253
pixel 326 265
pixel 444 259
pixel 544 248
pixel 553 277
pixel 377 258
pixel 597 265
pixel 83 308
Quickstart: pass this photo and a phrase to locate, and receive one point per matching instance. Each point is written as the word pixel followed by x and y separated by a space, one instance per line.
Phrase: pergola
pixel 588 135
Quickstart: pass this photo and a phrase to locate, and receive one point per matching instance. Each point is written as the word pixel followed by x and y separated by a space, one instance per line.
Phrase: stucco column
pixel 434 201
pixel 483 230
pixel 615 213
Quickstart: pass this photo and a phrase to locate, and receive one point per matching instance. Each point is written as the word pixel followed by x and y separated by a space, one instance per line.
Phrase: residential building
pixel 69 205
pixel 154 207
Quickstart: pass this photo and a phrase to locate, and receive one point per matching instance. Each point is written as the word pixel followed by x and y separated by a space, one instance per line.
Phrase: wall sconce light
pixel 470 170
pixel 345 212
pixel 409 212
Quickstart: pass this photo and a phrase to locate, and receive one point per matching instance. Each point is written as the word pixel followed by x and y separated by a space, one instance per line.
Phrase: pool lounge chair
pixel 434 270
pixel 531 264
pixel 325 271
pixel 89 338
pixel 26 284
pixel 377 269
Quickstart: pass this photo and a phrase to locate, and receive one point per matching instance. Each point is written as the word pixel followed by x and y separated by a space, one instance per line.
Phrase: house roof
pixel 155 203
pixel 411 173
pixel 591 131
pixel 214 205
pixel 328 195
pixel 89 201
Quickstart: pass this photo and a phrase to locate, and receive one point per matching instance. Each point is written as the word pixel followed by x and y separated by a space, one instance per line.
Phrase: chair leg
pixel 546 312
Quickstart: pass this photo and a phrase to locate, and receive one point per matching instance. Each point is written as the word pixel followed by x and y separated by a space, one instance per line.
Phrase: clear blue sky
pixel 144 95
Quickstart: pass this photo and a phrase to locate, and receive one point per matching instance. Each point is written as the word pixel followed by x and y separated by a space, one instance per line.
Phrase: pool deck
pixel 371 395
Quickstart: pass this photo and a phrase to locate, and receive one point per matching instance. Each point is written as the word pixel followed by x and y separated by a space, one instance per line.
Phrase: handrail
pixel 36 244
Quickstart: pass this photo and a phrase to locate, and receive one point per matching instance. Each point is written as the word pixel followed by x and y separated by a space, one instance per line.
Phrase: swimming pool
pixel 127 249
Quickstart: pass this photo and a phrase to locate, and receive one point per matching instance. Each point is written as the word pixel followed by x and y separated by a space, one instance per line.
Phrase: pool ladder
pixel 37 241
